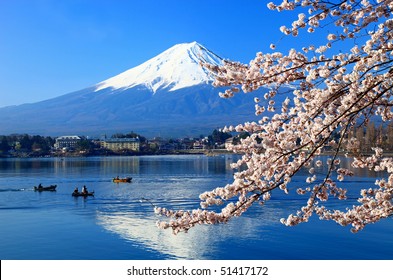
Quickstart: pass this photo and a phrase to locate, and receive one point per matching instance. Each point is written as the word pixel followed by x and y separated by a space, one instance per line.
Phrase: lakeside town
pixel 24 145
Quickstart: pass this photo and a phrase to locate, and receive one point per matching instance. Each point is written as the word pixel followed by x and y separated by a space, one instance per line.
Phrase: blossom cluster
pixel 330 95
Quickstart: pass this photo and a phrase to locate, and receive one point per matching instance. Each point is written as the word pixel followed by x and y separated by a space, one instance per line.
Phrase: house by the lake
pixel 121 144
pixel 67 142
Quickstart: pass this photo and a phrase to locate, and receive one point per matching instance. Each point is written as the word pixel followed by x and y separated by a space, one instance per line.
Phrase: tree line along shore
pixel 25 145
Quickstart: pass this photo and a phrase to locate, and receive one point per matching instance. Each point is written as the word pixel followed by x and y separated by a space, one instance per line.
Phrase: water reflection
pixel 141 230
pixel 132 165
pixel 201 242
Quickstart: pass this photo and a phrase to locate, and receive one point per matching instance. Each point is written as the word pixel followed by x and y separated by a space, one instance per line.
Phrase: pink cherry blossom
pixel 333 90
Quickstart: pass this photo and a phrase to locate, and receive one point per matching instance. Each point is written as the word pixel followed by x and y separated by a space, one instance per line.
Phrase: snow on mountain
pixel 175 68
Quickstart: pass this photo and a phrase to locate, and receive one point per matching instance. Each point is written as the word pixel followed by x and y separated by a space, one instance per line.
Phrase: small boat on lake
pixel 84 192
pixel 122 180
pixel 50 188
pixel 76 194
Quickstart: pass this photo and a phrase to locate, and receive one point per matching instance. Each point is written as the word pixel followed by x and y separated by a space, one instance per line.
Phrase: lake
pixel 118 223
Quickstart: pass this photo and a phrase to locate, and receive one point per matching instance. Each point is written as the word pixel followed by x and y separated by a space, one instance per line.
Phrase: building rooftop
pixel 121 140
pixel 73 137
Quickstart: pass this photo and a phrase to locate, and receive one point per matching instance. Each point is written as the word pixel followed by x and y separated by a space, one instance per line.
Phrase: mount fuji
pixel 170 95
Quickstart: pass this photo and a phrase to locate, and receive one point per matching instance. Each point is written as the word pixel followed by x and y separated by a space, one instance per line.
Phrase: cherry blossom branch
pixel 330 96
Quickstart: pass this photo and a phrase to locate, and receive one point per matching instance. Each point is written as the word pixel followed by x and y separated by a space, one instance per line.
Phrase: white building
pixel 68 142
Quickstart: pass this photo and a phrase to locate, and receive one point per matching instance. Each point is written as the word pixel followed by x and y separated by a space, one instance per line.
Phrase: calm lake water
pixel 115 224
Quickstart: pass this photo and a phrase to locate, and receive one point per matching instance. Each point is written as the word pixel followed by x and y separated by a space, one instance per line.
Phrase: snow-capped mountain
pixel 175 68
pixel 169 95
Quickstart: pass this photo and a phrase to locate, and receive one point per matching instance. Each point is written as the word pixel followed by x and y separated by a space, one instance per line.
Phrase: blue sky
pixel 52 47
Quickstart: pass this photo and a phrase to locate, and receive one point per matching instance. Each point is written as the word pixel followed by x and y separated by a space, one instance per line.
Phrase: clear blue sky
pixel 53 47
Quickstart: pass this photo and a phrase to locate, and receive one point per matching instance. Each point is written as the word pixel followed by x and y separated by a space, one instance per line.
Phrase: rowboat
pixel 76 194
pixel 49 188
pixel 122 180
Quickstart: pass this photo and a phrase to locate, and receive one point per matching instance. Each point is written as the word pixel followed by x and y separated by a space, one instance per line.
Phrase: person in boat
pixel 117 178
pixel 76 191
pixel 40 186
pixel 84 190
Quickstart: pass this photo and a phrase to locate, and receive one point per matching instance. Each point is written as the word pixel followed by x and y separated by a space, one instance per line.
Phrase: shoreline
pixel 209 152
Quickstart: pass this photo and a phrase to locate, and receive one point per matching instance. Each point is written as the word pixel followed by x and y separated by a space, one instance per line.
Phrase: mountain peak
pixel 177 67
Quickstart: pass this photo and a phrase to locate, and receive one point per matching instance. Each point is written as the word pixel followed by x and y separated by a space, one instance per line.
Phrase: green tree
pixel 25 143
pixel 85 145
pixel 4 146
pixel 218 137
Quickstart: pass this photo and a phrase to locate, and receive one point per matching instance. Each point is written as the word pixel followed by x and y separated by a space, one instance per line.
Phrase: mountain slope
pixel 169 95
